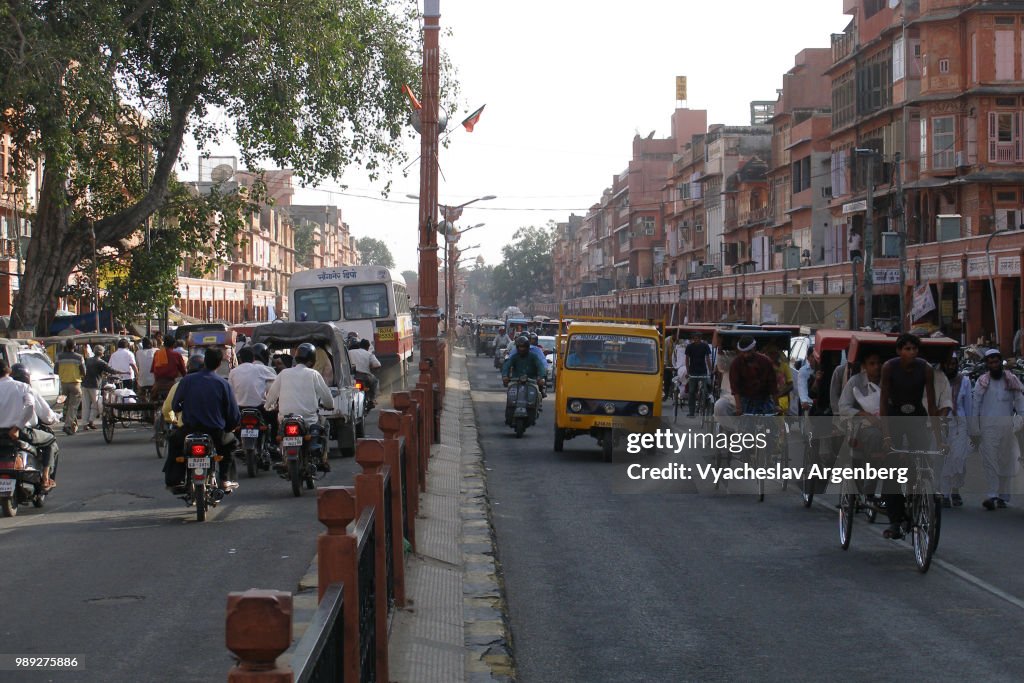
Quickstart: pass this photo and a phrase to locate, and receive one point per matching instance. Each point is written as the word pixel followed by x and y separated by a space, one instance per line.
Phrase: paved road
pixel 606 587
pixel 116 570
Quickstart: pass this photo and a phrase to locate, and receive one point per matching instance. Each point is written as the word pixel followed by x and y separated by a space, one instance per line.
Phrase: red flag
pixel 473 119
pixel 412 98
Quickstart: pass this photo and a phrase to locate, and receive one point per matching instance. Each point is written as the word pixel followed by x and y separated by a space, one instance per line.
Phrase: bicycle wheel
pixel 702 403
pixel 806 484
pixel 926 516
pixel 847 509
pixel 107 423
pixel 675 401
pixel 159 435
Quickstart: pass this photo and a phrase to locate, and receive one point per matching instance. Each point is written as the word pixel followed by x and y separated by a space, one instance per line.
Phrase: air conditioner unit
pixel 791 257
pixel 890 244
pixel 947 227
pixel 961 159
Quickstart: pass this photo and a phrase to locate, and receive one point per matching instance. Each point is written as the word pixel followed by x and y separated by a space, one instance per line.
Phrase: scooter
pixel 522 404
pixel 21 482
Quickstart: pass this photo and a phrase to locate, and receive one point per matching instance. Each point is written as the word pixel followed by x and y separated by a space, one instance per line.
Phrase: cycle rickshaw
pixel 923 506
pixel 707 391
pixel 778 448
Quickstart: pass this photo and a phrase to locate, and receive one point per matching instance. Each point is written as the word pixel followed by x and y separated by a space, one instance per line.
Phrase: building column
pixel 975 302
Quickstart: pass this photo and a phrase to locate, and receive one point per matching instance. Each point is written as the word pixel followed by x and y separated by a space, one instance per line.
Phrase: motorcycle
pixel 201 481
pixel 21 482
pixel 499 358
pixel 522 405
pixel 302 448
pixel 252 430
pixel 364 384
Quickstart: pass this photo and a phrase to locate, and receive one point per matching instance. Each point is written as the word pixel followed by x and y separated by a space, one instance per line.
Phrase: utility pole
pixel 869 236
pixel 901 234
pixel 430 346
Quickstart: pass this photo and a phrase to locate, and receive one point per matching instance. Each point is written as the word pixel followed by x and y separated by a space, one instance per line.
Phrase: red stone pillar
pixel 390 422
pixel 403 402
pixel 258 630
pixel 370 493
pixel 423 447
pixel 338 560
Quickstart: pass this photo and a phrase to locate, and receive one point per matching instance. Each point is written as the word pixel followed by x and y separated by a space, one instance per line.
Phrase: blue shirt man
pixel 205 399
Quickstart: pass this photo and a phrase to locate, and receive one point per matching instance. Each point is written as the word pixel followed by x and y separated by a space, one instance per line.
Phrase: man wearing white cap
pixel 998 396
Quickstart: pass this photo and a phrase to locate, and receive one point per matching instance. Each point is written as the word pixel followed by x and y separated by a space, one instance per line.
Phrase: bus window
pixel 362 302
pixel 319 305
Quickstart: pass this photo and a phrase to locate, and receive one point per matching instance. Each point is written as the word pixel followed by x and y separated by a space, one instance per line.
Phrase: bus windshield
pixel 612 353
pixel 320 304
pixel 365 301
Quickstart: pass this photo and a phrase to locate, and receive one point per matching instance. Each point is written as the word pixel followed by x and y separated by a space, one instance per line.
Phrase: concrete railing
pixel 360 571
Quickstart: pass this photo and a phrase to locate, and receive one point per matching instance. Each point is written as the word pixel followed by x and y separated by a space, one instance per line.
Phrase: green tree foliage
pixel 305 242
pixel 526 268
pixel 95 90
pixel 145 279
pixel 373 252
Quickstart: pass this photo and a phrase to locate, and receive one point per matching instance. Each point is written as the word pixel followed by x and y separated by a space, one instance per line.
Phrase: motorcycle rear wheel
pixel 295 475
pixel 200 494
pixel 250 463
pixel 9 507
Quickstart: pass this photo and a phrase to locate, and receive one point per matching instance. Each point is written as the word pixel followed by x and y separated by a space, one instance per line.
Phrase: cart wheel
pixel 847 509
pixel 108 426
pixel 159 435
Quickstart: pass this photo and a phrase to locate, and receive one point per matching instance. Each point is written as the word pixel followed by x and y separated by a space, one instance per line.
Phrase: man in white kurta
pixel 998 396
pixel 954 469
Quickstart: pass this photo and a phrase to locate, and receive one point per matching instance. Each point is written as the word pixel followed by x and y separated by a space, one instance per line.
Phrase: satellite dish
pixel 222 173
pixel 442 120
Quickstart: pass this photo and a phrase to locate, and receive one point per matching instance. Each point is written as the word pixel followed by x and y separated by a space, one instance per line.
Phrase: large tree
pixel 101 93
pixel 526 267
pixel 373 252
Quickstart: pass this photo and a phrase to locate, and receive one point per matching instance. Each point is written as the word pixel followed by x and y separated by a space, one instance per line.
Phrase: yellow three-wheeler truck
pixel 609 381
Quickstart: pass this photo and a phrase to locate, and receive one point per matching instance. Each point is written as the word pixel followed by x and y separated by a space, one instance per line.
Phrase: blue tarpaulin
pixel 85 322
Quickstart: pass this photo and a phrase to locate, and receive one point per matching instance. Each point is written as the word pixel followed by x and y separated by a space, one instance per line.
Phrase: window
pixel 801 174
pixel 318 305
pixel 943 142
pixel 974 57
pixel 843 100
pixel 839 157
pixel 1007 196
pixel 874 83
pixel 684 191
pixel 1004 137
pixel 698 227
pixel 365 301
pixel 924 144
pixel 645 225
pixel 612 353
pixel 943 66
pixel 1007 219
pixel 1004 55
pixel 1005 21
pixel 899 65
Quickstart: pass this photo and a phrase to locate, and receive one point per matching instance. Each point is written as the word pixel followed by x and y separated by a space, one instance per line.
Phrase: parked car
pixel 43 374
pixel 548 344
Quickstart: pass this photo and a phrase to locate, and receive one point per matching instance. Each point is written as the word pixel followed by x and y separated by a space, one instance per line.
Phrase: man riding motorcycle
pixel 501 341
pixel 207 405
pixel 250 381
pixel 364 362
pixel 25 415
pixel 301 390
pixel 524 362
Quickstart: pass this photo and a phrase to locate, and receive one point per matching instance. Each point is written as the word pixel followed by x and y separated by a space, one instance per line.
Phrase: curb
pixel 488 637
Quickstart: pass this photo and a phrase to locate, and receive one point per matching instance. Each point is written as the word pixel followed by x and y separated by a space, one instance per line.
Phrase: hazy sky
pixel 567 84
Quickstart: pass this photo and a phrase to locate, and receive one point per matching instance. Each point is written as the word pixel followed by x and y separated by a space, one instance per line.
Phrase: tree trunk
pixel 55 249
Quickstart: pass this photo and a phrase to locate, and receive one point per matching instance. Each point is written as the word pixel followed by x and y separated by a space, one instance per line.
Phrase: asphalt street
pixel 716 586
pixel 116 570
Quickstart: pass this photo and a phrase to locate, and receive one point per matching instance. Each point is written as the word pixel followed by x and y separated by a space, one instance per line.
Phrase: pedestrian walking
pixel 998 397
pixel 92 405
pixel 71 370
pixel 954 468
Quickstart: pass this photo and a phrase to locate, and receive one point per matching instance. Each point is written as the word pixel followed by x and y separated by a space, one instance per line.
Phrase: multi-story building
pixel 926 102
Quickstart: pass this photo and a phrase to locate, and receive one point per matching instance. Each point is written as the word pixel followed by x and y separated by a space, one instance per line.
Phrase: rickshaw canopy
pixel 728 340
pixel 288 335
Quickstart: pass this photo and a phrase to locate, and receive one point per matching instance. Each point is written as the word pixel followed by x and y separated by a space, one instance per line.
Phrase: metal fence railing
pixel 320 655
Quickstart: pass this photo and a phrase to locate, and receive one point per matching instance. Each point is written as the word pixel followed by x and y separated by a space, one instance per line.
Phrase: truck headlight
pixel 643 410
pixel 575 406
pixel 609 408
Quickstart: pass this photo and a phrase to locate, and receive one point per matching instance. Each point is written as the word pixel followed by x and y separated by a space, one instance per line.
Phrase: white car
pixel 548 344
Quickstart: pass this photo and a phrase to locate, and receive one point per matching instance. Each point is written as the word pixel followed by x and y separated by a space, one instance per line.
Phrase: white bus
pixel 369 300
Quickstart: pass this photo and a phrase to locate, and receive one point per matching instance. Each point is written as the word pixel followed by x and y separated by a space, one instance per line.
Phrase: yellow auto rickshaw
pixel 609 381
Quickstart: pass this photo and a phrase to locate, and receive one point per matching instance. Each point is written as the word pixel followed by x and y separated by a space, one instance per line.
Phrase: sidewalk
pixel 454 628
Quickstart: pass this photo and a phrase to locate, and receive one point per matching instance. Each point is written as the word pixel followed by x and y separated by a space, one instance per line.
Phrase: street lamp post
pixel 869 234
pixel 991 282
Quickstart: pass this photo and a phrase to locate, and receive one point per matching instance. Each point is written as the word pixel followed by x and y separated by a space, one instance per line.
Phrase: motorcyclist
pixel 195 364
pixel 537 349
pixel 262 353
pixel 364 362
pixel 523 362
pixel 207 405
pixel 301 390
pixel 24 413
pixel 250 381
pixel 352 340
pixel 501 341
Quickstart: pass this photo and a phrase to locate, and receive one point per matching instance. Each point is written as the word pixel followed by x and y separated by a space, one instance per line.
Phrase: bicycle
pixel 923 507
pixel 762 424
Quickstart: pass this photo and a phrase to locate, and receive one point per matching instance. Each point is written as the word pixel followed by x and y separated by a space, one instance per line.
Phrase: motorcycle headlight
pixel 575 406
pixel 609 408
pixel 643 410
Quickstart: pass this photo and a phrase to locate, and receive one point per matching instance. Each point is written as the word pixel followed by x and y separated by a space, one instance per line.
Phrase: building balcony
pixel 1005 153
pixel 843 44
